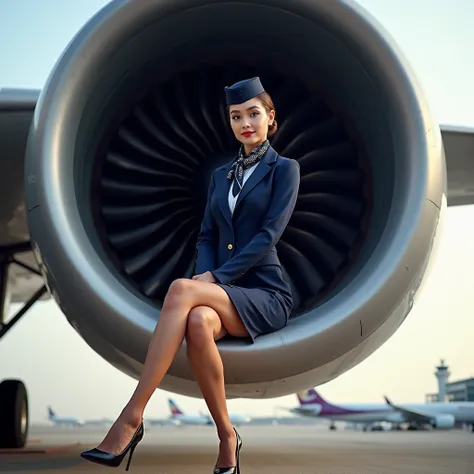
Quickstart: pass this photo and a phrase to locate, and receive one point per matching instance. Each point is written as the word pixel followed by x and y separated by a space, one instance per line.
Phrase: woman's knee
pixel 178 291
pixel 203 323
pixel 180 286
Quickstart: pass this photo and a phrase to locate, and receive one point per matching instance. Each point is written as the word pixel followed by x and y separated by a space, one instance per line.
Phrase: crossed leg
pixel 202 327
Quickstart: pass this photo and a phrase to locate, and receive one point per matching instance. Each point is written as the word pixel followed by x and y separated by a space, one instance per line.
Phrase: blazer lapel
pixel 223 184
pixel 222 189
pixel 258 174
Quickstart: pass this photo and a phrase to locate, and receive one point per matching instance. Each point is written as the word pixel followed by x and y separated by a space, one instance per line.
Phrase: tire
pixel 13 414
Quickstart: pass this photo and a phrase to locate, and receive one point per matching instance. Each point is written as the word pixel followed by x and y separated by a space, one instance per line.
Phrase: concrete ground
pixel 266 450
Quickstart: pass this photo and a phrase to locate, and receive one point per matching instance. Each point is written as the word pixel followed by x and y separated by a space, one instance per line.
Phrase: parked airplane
pixel 99 422
pixel 203 418
pixel 162 422
pixel 439 415
pixel 58 420
pixel 70 421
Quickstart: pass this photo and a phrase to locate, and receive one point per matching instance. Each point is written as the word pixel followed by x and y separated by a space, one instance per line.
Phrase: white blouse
pixel 232 200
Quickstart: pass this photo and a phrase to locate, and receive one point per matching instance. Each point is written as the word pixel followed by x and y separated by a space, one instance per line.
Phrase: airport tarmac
pixel 266 450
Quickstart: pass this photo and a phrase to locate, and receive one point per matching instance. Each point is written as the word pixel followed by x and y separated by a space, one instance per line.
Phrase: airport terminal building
pixel 459 391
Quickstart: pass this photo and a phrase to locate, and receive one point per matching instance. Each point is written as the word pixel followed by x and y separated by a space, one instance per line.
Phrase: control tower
pixel 442 374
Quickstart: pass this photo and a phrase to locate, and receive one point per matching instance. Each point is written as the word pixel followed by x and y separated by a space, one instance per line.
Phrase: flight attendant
pixel 238 288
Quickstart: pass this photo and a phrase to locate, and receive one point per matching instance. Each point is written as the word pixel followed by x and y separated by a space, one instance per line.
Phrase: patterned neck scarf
pixel 243 162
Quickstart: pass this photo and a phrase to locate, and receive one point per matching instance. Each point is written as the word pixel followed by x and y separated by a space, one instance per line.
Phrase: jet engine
pixel 444 421
pixel 132 121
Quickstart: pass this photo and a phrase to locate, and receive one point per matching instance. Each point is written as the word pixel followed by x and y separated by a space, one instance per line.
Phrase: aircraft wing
pixel 16 112
pixel 17 105
pixel 459 151
pixel 411 415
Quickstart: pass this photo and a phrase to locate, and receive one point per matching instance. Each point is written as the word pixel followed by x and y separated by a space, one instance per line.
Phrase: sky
pixel 61 370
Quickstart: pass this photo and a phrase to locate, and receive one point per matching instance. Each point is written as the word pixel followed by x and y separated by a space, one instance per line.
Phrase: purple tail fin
pixel 310 396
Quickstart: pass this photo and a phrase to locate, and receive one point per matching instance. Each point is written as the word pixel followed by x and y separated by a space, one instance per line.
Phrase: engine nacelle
pixel 130 125
pixel 444 421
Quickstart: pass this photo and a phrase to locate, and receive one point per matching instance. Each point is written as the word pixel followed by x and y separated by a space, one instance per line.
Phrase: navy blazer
pixel 230 245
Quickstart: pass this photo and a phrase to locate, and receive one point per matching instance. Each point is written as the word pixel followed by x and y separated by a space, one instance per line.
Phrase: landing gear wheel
pixel 13 414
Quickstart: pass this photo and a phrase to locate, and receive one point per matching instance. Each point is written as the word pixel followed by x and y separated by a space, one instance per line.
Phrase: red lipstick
pixel 247 134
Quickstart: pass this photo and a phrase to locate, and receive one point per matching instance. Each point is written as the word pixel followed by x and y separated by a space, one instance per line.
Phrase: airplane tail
pixel 310 396
pixel 174 408
pixel 51 413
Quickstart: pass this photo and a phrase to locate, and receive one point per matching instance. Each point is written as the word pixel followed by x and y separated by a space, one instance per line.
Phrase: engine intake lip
pixel 393 118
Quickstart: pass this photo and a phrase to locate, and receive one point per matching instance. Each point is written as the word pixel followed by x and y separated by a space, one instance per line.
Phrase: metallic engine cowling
pixel 130 125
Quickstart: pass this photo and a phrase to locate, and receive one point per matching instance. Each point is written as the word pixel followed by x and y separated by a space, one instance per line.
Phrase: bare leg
pixel 204 328
pixel 182 296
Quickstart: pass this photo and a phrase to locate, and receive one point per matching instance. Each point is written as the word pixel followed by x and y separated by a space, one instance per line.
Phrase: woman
pixel 238 289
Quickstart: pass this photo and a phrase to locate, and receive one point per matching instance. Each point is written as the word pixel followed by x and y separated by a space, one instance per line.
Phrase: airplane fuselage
pixel 361 413
pixel 192 419
pixel 66 421
pixel 185 419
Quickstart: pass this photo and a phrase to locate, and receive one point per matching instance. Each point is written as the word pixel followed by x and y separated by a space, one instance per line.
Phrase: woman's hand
pixel 208 276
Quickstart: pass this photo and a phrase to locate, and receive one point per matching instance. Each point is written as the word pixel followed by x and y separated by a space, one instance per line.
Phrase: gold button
pixel 229 246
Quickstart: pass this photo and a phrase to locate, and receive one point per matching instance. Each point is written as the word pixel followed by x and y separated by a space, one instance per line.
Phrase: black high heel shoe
pixel 233 469
pixel 114 460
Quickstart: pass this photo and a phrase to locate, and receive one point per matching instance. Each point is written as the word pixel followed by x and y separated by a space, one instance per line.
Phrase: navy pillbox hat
pixel 243 90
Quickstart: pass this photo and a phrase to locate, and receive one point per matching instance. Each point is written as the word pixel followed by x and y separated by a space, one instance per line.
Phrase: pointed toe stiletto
pixel 114 460
pixel 233 469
